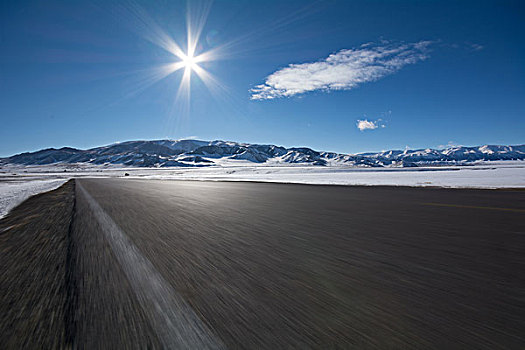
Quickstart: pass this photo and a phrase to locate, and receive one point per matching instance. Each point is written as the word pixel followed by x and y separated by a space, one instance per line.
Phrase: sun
pixel 189 62
pixel 192 59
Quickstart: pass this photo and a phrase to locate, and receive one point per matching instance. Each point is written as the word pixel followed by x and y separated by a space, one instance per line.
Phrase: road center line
pixel 176 324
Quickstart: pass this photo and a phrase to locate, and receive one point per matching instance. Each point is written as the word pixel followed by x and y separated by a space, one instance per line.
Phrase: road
pixel 182 264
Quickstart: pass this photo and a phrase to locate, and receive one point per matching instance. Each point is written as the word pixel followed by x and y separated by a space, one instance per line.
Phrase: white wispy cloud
pixel 343 70
pixel 366 124
pixel 450 144
pixel 475 47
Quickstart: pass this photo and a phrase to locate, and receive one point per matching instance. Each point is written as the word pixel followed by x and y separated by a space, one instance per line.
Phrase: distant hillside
pixel 173 153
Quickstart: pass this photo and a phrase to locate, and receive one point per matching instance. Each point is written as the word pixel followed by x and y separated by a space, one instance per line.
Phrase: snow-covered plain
pixel 467 177
pixel 20 182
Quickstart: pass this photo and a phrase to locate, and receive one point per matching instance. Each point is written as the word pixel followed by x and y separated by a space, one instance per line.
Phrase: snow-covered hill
pixel 186 153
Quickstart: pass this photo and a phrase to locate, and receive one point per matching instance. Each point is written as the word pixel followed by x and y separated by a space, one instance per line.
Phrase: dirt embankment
pixel 60 286
pixel 34 253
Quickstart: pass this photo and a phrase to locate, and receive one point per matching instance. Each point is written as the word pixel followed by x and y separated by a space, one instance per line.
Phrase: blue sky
pixel 416 73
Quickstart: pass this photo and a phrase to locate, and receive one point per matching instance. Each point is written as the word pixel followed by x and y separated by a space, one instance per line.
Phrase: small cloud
pixel 367 124
pixel 449 144
pixel 475 47
pixel 343 70
pixel 466 45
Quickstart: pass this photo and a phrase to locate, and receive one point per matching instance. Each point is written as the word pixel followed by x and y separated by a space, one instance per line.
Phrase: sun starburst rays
pixel 191 57
pixel 189 61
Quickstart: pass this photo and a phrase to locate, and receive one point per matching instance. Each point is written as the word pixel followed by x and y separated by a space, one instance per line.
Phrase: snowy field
pixel 468 177
pixel 18 183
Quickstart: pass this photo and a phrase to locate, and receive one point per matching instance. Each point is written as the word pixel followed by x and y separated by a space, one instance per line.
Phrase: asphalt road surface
pixel 125 263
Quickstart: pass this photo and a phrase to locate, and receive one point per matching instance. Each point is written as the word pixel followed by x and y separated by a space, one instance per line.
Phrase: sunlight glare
pixel 190 62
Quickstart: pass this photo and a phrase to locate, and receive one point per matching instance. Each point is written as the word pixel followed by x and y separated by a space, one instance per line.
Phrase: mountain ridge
pixel 194 153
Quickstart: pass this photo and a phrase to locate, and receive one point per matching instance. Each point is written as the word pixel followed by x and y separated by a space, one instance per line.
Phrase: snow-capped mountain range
pixel 172 153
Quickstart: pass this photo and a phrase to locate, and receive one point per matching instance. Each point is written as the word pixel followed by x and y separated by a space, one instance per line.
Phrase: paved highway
pixel 180 264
